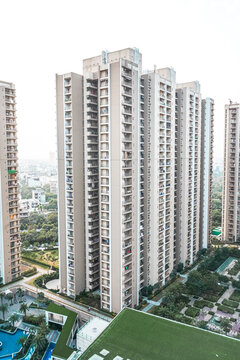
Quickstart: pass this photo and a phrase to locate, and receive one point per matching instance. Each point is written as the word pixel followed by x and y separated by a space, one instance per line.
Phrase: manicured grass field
pixel 138 336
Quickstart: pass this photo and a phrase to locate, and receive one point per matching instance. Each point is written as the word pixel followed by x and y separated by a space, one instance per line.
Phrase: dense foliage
pixel 39 230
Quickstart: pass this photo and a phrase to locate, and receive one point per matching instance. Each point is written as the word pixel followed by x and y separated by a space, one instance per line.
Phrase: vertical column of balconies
pixel 91 172
pixel 191 156
pixel 211 168
pixel 165 156
pixel 232 171
pixel 68 126
pixel 168 179
pixel 104 187
pixel 141 190
pixel 162 181
pixel 196 183
pixel 12 168
pixel 127 151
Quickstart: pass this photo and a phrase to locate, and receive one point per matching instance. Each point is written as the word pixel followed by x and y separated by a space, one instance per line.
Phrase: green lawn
pixel 61 349
pixel 138 336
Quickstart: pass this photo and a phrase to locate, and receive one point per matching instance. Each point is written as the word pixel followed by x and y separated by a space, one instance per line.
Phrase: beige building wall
pixel 159 179
pixel 71 182
pixel 120 205
pixel 231 200
pixel 9 207
pixel 207 134
pixel 188 161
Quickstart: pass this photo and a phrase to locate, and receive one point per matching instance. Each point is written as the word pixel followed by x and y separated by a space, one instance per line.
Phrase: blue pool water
pixel 10 344
pixel 224 265
pixel 49 351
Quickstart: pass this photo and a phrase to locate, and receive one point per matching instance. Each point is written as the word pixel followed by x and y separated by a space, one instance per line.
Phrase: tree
pixel 9 297
pixel 23 308
pixel 3 309
pixel 2 296
pixel 20 293
pixel 22 341
pixel 225 324
pixel 202 324
pixel 195 282
pixel 13 318
pixel 180 267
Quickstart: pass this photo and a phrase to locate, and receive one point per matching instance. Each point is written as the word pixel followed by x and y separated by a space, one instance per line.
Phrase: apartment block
pixel 231 175
pixel 121 174
pixel 159 199
pixel 188 165
pixel 70 136
pixel 10 257
pixel 207 137
pixel 129 165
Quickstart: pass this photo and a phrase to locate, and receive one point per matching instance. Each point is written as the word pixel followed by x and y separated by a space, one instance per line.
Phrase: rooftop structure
pixel 68 321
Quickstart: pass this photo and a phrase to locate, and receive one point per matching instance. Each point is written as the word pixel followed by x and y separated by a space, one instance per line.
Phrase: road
pixel 54 297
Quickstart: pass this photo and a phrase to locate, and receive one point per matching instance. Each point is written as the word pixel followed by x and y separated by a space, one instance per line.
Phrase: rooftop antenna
pixel 230 101
pixel 155 68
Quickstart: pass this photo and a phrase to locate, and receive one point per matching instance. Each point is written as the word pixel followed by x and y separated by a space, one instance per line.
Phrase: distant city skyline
pixel 192 37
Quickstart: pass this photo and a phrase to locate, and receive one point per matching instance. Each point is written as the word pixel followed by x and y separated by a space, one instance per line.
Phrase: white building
pixel 88 333
pixel 39 194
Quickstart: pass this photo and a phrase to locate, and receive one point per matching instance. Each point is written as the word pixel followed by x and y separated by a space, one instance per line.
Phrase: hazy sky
pixel 199 39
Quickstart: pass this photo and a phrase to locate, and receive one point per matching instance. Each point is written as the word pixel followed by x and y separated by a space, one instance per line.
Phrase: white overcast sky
pixel 199 39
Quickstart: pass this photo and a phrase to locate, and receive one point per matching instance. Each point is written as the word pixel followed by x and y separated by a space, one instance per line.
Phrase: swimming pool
pixel 224 265
pixel 10 344
pixel 48 353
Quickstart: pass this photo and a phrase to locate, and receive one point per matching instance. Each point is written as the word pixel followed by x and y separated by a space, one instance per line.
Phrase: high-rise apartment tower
pixel 188 162
pixel 207 134
pixel 231 175
pixel 9 207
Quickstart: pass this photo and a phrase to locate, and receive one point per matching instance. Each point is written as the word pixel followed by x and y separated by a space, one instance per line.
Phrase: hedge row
pixel 225 309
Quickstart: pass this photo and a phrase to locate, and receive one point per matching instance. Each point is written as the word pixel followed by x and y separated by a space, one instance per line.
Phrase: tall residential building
pixel 188 162
pixel 129 159
pixel 207 133
pixel 120 114
pixel 159 174
pixel 231 172
pixel 71 214
pixel 9 207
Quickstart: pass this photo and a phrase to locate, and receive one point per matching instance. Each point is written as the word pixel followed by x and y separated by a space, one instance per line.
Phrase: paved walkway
pixel 54 297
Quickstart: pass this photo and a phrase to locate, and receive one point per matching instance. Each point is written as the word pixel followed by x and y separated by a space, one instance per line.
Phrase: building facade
pixel 129 159
pixel 207 137
pixel 69 89
pixel 121 174
pixel 231 178
pixel 188 165
pixel 159 153
pixel 10 255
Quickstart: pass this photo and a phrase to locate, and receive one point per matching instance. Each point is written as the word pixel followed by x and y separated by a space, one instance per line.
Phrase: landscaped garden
pixel 22 331
pixel 210 296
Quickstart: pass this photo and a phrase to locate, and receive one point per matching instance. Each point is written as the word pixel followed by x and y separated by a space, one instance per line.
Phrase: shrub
pixel 225 309
pixel 232 319
pixel 192 311
pixel 211 313
pixel 233 304
pixel 235 296
pixel 201 303
pixel 223 278
pixel 30 272
pixel 186 320
pixel 34 320
pixel 210 297
pixel 236 284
